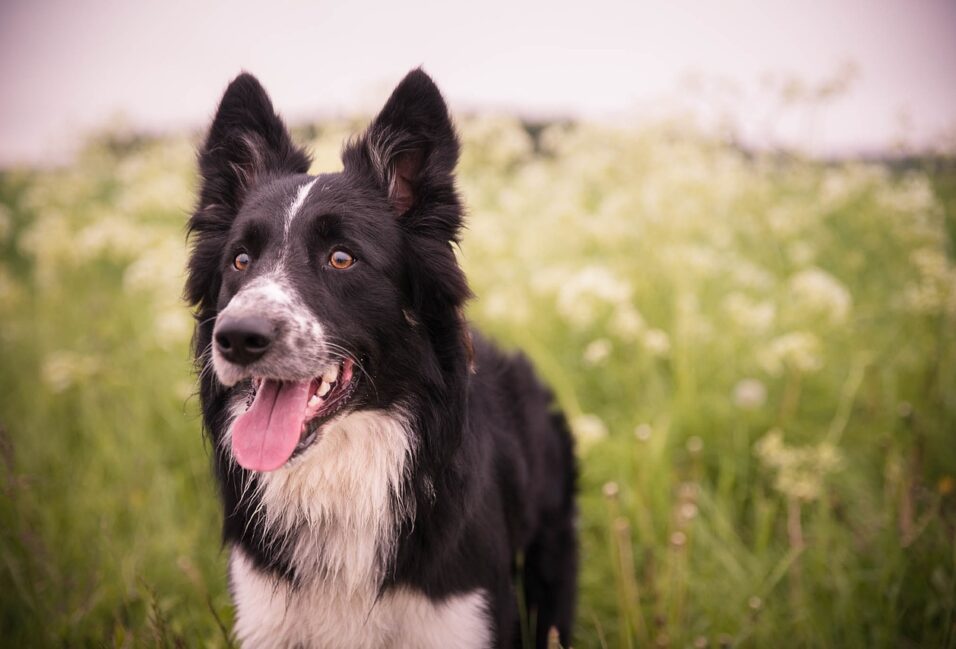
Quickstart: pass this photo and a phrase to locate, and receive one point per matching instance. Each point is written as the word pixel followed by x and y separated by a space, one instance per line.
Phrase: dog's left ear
pixel 409 152
pixel 246 144
pixel 411 148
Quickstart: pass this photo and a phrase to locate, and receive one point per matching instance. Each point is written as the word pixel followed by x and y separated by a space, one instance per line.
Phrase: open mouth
pixel 284 418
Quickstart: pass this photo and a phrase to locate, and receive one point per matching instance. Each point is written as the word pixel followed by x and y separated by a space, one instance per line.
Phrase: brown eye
pixel 340 260
pixel 242 261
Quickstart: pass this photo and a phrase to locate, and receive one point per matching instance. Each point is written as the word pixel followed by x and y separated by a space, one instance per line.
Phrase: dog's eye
pixel 340 260
pixel 242 261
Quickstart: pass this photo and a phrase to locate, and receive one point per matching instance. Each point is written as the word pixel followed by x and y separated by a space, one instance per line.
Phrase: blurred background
pixel 724 233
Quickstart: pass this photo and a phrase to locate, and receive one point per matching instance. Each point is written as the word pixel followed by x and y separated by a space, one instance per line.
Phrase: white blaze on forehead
pixel 261 293
pixel 294 207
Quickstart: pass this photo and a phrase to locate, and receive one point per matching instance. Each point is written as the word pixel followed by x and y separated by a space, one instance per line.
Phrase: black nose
pixel 243 340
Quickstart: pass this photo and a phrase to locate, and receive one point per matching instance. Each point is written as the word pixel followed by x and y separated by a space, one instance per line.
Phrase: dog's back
pixel 515 502
pixel 534 473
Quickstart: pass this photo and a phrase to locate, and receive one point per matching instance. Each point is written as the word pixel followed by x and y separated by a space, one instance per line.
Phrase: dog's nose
pixel 244 340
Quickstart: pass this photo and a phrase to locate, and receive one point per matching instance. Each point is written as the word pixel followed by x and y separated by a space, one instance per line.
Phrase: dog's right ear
pixel 246 143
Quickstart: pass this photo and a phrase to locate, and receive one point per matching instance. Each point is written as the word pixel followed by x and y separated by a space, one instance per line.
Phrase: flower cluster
pixel 799 472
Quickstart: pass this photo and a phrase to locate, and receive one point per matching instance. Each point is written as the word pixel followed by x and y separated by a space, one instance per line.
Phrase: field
pixel 757 354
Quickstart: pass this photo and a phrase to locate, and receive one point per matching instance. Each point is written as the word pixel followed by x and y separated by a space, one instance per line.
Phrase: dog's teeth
pixel 314 401
pixel 331 374
pixel 323 389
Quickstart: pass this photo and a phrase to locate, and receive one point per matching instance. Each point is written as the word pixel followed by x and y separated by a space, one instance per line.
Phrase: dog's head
pixel 321 295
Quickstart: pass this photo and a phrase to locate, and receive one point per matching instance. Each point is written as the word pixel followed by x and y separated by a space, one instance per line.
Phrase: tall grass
pixel 756 354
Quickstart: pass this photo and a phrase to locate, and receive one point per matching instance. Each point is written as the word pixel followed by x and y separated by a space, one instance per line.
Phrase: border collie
pixel 388 478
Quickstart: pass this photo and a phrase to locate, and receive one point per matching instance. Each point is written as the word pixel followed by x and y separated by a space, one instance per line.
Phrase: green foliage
pixel 757 356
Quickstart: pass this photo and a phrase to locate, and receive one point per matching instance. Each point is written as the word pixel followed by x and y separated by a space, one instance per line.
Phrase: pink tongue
pixel 264 436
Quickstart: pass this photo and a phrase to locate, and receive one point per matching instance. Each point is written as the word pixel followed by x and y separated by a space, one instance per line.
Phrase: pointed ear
pixel 246 141
pixel 411 148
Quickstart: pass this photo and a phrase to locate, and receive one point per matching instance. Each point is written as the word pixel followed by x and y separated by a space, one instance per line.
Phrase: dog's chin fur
pixel 398 519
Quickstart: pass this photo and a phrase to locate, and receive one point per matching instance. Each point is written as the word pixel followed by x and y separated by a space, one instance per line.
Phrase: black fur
pixel 493 476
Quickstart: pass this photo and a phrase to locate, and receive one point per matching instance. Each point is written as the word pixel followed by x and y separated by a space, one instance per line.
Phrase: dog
pixel 388 478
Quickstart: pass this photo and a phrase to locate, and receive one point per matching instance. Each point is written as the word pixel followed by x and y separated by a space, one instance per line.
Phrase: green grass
pixel 758 357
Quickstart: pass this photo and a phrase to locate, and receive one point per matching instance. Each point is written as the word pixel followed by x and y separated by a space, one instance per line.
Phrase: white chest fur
pixel 273 616
pixel 340 505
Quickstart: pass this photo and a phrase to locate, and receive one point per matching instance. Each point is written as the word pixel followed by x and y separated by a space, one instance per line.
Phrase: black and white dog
pixel 386 475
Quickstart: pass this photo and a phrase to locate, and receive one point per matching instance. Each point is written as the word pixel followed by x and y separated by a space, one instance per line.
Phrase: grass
pixel 756 354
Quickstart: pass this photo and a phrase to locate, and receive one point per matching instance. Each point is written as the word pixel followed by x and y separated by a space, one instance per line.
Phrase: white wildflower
pixel 934 290
pixel 150 189
pixel 172 326
pixel 63 369
pixel 913 195
pixel 801 252
pixel 588 429
pixel 821 293
pixel 842 184
pixel 786 219
pixel 49 241
pixel 112 237
pixel 626 322
pixel 750 394
pixel 547 280
pixel 799 350
pixel 498 140
pixel 694 258
pixel 751 276
pixel 754 317
pixel 657 342
pixel 597 351
pixel 695 444
pixel 931 262
pixel 506 306
pixel 582 295
pixel 799 472
pixel 159 268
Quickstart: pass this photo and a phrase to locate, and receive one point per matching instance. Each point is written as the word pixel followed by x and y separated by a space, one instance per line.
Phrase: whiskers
pixel 342 353
pixel 204 357
pixel 206 369
pixel 201 323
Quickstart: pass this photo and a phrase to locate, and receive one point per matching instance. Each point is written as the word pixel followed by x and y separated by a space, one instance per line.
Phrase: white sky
pixel 69 65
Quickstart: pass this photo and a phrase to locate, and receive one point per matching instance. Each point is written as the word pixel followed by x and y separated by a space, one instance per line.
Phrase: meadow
pixel 757 353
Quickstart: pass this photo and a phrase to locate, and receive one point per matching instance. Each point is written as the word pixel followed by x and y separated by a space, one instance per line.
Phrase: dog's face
pixel 310 288
pixel 319 295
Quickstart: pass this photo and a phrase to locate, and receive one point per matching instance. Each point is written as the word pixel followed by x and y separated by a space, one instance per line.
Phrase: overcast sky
pixel 69 65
